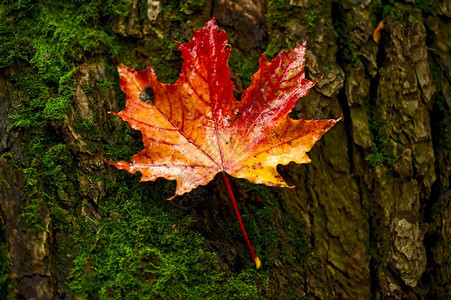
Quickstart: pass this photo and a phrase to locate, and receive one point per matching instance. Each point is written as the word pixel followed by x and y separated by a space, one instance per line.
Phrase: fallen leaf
pixel 195 128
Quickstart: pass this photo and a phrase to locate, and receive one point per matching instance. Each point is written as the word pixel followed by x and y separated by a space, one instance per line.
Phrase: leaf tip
pixel 263 61
pixel 303 44
pixel 319 79
pixel 120 66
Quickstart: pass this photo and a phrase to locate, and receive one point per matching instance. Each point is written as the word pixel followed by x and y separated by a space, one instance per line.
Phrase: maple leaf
pixel 195 128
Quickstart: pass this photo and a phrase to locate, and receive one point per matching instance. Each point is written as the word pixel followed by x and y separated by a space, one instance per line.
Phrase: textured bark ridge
pixel 372 211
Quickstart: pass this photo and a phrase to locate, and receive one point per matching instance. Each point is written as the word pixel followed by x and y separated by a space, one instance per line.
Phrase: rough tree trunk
pixel 369 217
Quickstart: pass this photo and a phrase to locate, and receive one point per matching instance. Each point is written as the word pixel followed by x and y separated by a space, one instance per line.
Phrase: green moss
pixel 49 179
pixel 381 153
pixel 106 84
pixel 298 239
pixel 261 223
pixel 274 47
pixel 278 11
pixel 45 56
pixel 88 129
pixel 427 6
pixel 326 68
pixel 166 56
pixel 400 11
pixel 191 4
pixel 355 54
pixel 136 252
pixel 32 214
pixel 311 16
pixel 244 64
pixel 280 16
pixel 56 108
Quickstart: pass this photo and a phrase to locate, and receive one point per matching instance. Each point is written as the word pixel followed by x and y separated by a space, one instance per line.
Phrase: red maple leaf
pixel 195 128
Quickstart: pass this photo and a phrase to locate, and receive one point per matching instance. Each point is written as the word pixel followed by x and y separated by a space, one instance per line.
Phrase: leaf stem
pixel 251 250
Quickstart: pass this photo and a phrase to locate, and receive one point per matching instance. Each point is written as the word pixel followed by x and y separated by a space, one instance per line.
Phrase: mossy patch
pixel 276 236
pixel 286 24
pixel 190 5
pixel 401 11
pixel 381 153
pixel 143 248
pixel 244 64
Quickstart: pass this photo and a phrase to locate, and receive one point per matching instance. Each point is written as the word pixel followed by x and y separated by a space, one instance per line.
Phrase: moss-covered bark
pixel 370 217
